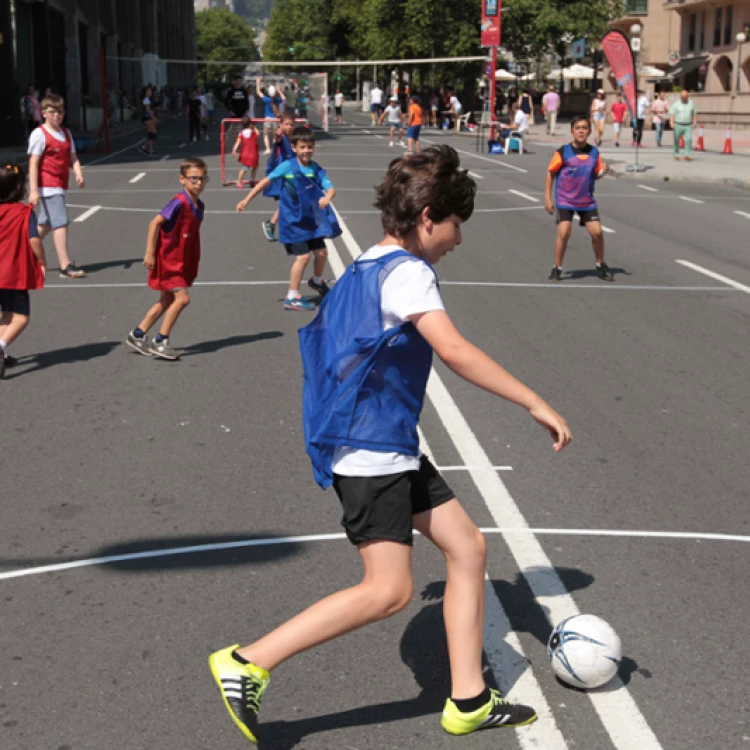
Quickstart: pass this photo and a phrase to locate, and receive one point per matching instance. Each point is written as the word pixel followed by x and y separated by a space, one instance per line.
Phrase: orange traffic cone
pixel 700 146
pixel 728 141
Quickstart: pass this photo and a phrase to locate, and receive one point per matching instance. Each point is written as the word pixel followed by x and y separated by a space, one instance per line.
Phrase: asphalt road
pixel 108 454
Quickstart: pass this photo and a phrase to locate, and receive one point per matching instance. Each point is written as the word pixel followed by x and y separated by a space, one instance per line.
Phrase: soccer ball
pixel 584 651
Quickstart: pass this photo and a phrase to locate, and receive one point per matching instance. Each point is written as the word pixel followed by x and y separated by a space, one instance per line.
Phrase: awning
pixel 685 66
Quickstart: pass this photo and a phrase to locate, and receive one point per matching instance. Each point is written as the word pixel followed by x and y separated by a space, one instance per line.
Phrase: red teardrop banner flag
pixel 616 47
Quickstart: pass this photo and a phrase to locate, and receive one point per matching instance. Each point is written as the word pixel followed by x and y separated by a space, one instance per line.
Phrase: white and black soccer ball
pixel 584 651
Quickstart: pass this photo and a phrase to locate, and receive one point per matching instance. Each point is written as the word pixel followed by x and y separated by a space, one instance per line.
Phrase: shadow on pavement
pixel 81 353
pixel 209 347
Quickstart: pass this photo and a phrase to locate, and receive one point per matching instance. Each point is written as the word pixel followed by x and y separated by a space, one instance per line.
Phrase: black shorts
pixel 383 507
pixel 15 301
pixel 303 248
pixel 567 214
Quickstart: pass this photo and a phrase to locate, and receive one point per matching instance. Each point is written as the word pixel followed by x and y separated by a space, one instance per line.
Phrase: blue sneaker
pixel 298 303
pixel 269 229
pixel 322 289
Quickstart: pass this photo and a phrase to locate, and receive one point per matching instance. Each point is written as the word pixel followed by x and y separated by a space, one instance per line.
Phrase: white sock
pixel 318 279
pixel 292 293
pixel 3 347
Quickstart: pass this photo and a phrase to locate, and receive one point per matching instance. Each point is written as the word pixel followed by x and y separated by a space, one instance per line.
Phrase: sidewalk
pixel 709 166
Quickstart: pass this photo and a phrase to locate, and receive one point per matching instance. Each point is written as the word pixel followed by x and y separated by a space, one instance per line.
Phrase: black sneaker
pixel 555 274
pixel 604 273
pixel 497 712
pixel 71 271
pixel 10 361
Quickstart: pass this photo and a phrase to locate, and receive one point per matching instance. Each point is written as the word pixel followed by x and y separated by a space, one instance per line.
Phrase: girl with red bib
pixel 22 262
pixel 173 252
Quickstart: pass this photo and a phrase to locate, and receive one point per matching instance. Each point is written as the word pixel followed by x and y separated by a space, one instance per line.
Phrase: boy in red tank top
pixel 52 154
pixel 246 148
pixel 173 252
pixel 22 262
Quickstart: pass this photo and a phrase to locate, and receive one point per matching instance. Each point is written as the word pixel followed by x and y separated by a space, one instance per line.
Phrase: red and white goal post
pixel 230 129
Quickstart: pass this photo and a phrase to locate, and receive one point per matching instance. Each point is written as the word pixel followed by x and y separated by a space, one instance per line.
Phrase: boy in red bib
pixel 246 149
pixel 173 252
pixel 52 154
pixel 22 262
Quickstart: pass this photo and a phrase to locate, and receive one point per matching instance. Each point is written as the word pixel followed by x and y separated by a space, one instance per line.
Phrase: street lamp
pixel 741 39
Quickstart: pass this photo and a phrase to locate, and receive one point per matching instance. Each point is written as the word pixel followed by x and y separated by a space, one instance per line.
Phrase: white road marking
pixel 689 200
pixel 743 213
pixel 647 187
pixel 476 175
pixel 244 543
pixel 85 215
pixel 165 157
pixel 713 275
pixel 138 177
pixel 623 721
pixel 524 195
pixel 607 230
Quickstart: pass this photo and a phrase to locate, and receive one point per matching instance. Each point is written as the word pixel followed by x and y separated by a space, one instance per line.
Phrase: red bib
pixel 178 252
pixel 54 164
pixel 249 149
pixel 19 268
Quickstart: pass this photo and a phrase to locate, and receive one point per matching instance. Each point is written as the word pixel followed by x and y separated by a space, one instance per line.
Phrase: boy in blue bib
pixel 306 218
pixel 571 176
pixel 366 358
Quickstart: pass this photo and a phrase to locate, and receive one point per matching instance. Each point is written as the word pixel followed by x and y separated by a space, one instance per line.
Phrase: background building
pixel 56 43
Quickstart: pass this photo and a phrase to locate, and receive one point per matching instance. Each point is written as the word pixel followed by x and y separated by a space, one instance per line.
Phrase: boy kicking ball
pixel 173 252
pixel 572 174
pixel 366 358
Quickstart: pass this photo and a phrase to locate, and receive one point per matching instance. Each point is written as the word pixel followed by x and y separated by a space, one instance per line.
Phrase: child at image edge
pixel 385 315
pixel 305 217
pixel 22 262
pixel 173 252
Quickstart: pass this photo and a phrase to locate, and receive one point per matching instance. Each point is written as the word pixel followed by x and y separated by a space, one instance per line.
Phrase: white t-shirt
pixel 37 144
pixel 376 95
pixel 338 100
pixel 393 111
pixel 457 108
pixel 521 121
pixel 409 289
pixel 642 106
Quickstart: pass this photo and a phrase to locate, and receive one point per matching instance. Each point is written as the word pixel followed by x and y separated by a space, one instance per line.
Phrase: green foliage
pixel 222 35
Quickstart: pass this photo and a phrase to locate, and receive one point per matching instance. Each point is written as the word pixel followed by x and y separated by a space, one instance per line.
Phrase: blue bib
pixel 363 387
pixel 301 219
pixel 279 152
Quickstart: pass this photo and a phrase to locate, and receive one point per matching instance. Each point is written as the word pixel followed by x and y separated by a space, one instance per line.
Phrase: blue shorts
pixel 15 301
pixel 413 132
pixel 303 248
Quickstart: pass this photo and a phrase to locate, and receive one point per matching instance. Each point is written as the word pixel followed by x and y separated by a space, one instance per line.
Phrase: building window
pixel 703 30
pixel 717 27
pixel 691 32
pixel 728 23
pixel 636 7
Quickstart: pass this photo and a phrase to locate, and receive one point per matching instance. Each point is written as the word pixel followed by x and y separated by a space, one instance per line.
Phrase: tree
pixel 222 35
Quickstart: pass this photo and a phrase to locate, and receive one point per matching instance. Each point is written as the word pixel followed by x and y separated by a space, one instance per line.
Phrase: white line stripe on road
pixel 85 215
pixel 626 726
pixel 476 175
pixel 607 230
pixel 244 543
pixel 647 187
pixel 713 275
pixel 743 213
pixel 138 177
pixel 524 195
pixel 689 200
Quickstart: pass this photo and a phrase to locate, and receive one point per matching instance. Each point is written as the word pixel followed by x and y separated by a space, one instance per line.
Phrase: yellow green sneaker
pixel 242 687
pixel 497 712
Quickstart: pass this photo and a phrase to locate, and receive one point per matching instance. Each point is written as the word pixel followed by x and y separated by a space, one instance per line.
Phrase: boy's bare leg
pixel 449 527
pixel 319 262
pixel 385 590
pixel 597 239
pixel 60 241
pixel 564 230
pixel 156 311
pixel 298 269
pixel 180 302
pixel 12 326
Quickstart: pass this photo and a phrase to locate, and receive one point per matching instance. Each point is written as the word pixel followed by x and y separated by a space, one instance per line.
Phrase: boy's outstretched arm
pixel 473 365
pixel 259 188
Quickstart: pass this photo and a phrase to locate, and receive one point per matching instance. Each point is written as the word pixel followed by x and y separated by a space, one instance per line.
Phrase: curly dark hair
pixel 12 183
pixel 431 179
